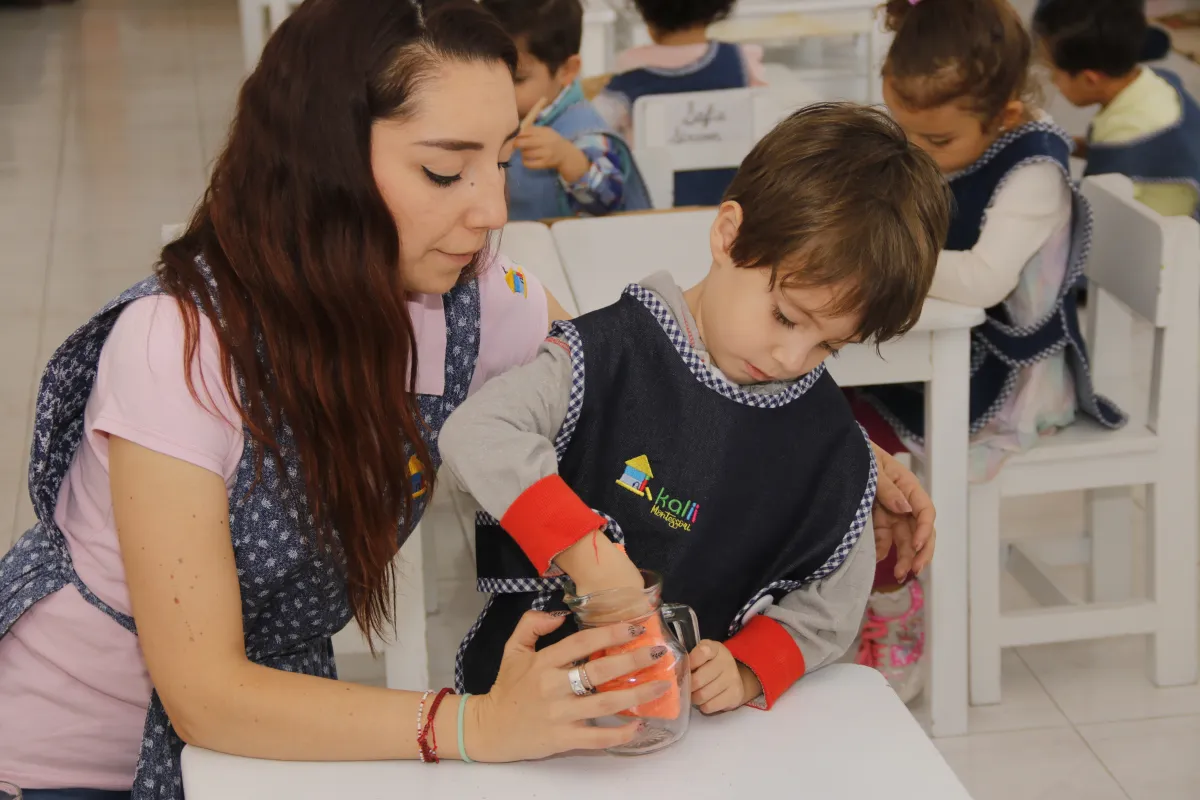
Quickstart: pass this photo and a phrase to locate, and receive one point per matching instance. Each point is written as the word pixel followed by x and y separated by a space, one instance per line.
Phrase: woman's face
pixel 441 170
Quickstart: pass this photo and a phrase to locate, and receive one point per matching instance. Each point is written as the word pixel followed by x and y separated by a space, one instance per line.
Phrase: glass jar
pixel 665 718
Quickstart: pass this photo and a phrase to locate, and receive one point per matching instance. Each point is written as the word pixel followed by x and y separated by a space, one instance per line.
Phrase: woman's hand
pixel 531 711
pixel 904 516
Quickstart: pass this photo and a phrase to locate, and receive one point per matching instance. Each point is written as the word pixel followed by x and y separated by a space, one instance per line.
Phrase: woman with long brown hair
pixel 227 457
pixel 232 451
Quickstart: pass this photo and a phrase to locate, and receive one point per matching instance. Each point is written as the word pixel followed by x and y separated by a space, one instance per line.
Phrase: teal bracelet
pixel 462 747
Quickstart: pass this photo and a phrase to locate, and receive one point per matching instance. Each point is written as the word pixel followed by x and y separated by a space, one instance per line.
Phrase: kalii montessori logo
pixel 675 511
pixel 416 477
pixel 515 278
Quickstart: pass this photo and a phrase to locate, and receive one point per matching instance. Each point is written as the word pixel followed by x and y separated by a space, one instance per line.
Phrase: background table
pixel 752 21
pixel 841 733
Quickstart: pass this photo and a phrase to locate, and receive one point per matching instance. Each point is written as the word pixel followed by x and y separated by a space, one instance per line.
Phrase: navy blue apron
pixel 1000 349
pixel 729 495
pixel 293 593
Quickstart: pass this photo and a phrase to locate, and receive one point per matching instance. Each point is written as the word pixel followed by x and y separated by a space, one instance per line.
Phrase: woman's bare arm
pixel 173 522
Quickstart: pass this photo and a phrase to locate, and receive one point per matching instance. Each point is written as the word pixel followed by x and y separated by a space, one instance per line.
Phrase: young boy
pixel 1148 126
pixel 567 162
pixel 752 484
pixel 681 59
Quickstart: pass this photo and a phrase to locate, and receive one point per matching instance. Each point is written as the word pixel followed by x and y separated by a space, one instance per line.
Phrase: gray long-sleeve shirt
pixel 501 441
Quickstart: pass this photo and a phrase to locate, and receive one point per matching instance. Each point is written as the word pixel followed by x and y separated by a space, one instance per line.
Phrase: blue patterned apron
pixel 293 594
pixel 1000 350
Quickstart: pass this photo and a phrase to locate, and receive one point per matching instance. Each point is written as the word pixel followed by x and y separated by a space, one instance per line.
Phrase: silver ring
pixel 580 684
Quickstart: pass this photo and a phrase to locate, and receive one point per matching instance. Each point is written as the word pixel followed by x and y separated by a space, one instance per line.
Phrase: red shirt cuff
pixel 548 518
pixel 766 647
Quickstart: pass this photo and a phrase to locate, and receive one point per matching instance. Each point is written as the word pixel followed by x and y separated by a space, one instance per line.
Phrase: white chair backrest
pixel 532 247
pixel 170 233
pixel 705 130
pixel 259 20
pixel 602 255
pixel 1151 264
pixel 1128 257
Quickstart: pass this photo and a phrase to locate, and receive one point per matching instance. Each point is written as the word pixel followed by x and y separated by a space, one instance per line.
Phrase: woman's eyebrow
pixel 459 145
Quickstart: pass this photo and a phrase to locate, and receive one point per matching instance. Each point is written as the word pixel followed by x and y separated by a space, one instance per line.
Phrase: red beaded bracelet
pixel 420 714
pixel 429 753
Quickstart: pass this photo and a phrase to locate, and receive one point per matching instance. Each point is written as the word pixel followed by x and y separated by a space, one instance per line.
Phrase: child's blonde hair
pixel 976 52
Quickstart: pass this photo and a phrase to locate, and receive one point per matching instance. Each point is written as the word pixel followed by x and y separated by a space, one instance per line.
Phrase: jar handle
pixel 682 621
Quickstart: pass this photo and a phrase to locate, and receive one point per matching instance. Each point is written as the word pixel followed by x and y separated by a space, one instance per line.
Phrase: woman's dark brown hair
pixel 973 51
pixel 304 258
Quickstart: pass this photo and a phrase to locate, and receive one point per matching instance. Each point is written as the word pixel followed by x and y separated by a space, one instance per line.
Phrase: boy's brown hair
pixel 977 52
pixel 836 196
pixel 550 30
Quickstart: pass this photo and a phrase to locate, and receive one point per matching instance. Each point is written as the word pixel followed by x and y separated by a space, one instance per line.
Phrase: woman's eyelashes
pixel 444 181
pixel 441 180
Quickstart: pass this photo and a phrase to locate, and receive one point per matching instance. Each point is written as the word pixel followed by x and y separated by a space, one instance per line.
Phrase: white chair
pixel 705 130
pixel 531 246
pixel 676 241
pixel 1151 264
pixel 260 18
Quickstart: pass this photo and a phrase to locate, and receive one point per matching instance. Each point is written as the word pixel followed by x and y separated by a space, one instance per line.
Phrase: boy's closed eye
pixel 783 320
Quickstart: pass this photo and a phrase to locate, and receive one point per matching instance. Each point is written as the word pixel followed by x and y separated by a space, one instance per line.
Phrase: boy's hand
pixel 903 516
pixel 595 563
pixel 543 147
pixel 719 682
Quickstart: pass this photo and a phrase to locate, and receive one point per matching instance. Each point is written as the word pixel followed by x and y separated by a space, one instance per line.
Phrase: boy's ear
pixel 724 232
pixel 1012 114
pixel 569 70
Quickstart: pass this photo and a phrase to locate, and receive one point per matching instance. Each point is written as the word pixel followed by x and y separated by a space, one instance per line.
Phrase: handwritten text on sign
pixel 709 122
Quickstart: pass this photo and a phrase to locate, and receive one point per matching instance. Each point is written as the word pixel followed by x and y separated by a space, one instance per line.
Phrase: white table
pixel 841 733
pixel 602 256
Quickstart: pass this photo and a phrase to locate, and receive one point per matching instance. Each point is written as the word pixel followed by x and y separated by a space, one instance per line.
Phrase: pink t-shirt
pixel 73 686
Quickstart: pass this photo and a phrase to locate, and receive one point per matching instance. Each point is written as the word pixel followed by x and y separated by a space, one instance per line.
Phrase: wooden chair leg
pixel 1110 527
pixel 983 542
pixel 406 656
pixel 1170 506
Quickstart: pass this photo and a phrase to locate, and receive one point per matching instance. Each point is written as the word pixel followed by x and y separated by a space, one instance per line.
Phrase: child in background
pixel 752 483
pixel 682 59
pixel 1156 44
pixel 567 161
pixel 1148 126
pixel 957 80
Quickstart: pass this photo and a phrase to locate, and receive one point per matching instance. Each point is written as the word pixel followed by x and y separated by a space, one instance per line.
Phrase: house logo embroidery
pixel 416 477
pixel 515 278
pixel 676 512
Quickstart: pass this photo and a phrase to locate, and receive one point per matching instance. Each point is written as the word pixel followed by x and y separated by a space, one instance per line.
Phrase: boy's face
pixel 1080 89
pixel 534 80
pixel 756 333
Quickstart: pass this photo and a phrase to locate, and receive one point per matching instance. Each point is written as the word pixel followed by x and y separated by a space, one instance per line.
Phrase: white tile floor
pixel 110 111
